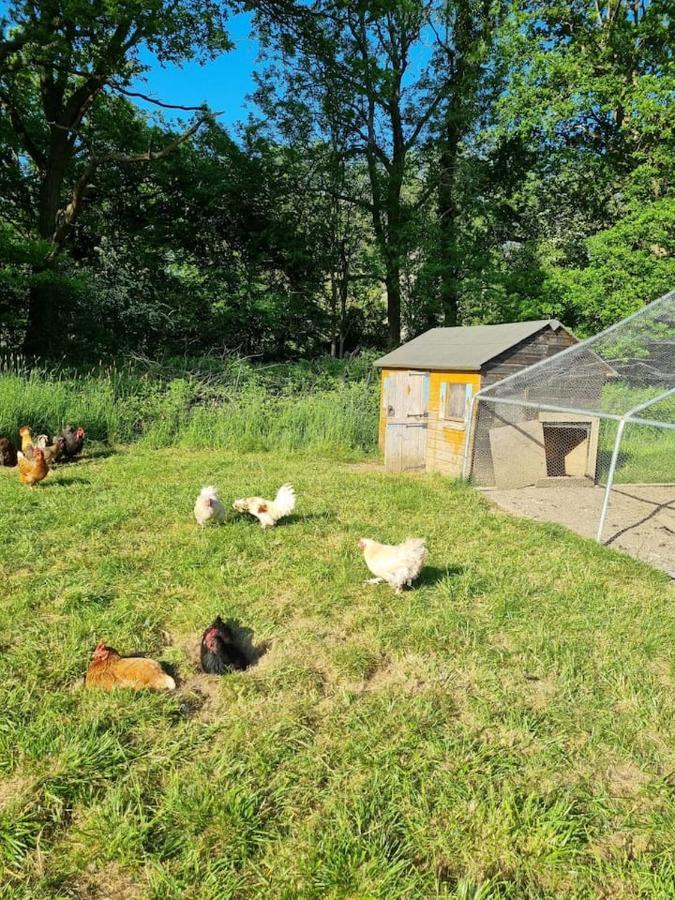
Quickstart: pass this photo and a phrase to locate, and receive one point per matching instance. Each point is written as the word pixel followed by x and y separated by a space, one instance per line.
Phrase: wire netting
pixel 562 439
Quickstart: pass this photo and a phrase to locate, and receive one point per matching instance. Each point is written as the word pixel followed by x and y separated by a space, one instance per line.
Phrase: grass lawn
pixel 506 729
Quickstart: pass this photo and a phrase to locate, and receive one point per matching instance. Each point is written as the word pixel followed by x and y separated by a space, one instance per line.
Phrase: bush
pixel 327 406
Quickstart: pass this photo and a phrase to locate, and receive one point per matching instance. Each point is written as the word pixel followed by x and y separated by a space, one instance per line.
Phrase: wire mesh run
pixel 573 431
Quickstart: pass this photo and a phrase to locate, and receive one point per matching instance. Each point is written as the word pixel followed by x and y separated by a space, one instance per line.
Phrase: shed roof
pixel 466 348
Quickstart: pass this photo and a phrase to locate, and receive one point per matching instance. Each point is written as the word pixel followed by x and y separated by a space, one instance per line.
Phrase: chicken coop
pixel 603 410
pixel 427 386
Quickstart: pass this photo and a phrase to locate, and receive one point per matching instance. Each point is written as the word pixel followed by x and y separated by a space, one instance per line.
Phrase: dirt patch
pixel 540 690
pixel 640 518
pixel 364 467
pixel 12 791
pixel 620 845
pixel 200 697
pixel 626 780
pixel 109 883
pixel 409 674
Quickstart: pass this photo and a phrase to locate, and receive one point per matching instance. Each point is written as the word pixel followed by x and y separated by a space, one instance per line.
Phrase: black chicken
pixel 74 440
pixel 7 453
pixel 219 653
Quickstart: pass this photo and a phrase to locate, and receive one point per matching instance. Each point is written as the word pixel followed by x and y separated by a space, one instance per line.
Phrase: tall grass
pixel 326 406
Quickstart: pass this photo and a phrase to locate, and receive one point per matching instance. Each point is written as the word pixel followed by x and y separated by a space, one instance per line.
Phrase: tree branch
pixel 11 45
pixel 424 119
pixel 69 215
pixel 121 90
pixel 22 132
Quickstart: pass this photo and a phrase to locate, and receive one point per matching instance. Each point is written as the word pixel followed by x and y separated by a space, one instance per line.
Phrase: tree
pixel 464 32
pixel 586 124
pixel 362 53
pixel 61 67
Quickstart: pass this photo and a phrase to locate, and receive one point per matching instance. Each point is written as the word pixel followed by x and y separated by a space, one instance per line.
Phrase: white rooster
pixel 268 512
pixel 398 564
pixel 208 507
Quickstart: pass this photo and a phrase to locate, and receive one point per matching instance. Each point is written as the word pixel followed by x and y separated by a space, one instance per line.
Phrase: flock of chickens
pixel 398 565
pixel 36 456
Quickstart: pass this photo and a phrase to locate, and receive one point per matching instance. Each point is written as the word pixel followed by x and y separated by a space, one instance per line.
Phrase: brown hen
pixel 108 670
pixel 31 471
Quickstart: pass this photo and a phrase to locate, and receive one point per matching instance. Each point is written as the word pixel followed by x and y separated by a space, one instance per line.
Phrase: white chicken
pixel 268 512
pixel 208 507
pixel 398 564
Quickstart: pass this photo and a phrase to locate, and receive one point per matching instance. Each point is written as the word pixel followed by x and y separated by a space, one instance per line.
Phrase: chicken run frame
pixel 599 414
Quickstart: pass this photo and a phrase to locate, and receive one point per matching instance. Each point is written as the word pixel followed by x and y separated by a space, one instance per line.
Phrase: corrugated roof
pixel 466 348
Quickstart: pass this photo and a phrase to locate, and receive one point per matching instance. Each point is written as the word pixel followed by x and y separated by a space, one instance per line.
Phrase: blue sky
pixel 223 83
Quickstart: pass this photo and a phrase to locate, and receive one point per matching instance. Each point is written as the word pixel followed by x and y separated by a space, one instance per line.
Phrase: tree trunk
pixel 333 315
pixel 43 326
pixel 344 290
pixel 393 285
pixel 464 73
pixel 42 334
pixel 448 215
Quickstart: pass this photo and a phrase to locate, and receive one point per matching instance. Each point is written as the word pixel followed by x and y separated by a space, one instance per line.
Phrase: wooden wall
pixel 445 439
pixel 383 409
pixel 532 350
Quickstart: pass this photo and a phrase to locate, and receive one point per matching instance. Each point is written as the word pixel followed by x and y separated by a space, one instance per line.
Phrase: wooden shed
pixel 427 385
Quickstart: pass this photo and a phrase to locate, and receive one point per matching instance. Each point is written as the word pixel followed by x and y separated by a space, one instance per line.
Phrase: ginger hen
pixel 108 670
pixel 34 470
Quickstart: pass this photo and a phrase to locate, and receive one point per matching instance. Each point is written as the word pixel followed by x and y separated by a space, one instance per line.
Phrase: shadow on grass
pixel 299 518
pixel 65 483
pixel 98 452
pixel 431 575
pixel 293 519
pixel 170 669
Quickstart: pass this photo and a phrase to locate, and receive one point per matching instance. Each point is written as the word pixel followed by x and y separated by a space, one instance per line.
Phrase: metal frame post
pixel 610 479
pixel 467 437
pixel 628 417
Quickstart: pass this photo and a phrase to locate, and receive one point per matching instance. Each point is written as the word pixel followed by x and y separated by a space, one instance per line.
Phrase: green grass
pixel 505 730
pixel 646 454
pixel 327 406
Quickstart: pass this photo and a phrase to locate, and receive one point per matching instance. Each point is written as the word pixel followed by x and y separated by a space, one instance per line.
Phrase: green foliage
pixel 481 161
pixel 631 261
pixel 326 406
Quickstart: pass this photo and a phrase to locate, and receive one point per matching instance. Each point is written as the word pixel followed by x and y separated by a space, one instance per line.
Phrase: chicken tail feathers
pixel 416 545
pixel 284 502
pixel 416 550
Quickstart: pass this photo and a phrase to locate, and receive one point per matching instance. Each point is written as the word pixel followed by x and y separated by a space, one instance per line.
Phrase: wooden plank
pixel 406 397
